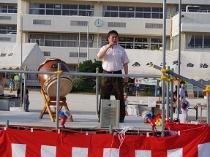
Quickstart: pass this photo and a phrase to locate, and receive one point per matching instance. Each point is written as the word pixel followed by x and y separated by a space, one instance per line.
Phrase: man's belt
pixel 113 72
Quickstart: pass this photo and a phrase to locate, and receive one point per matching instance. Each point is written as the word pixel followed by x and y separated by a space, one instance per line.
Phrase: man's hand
pixel 111 44
pixel 126 79
pixel 103 52
pixel 126 72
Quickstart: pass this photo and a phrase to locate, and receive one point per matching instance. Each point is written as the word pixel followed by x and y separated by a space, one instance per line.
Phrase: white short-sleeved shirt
pixel 114 59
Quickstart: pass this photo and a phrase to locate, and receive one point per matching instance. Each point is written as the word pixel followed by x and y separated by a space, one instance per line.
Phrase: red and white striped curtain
pixel 193 141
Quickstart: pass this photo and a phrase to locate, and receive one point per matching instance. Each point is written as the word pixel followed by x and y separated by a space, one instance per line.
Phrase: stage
pixel 83 109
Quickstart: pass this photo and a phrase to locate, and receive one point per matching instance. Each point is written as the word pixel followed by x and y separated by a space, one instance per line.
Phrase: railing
pixel 79 74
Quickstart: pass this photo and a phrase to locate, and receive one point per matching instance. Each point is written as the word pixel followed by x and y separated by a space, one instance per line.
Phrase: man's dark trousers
pixel 114 85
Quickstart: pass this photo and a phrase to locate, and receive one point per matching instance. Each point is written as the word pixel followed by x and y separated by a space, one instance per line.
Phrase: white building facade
pixel 8 20
pixel 74 30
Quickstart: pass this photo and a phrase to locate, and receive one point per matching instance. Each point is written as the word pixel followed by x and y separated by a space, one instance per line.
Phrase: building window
pixel 41 22
pixel 206 41
pixel 111 11
pixel 46 53
pixel 79 23
pixel 132 12
pixel 5 17
pixel 12 8
pixel 8 29
pixel 8 8
pixel 116 24
pixel 61 9
pixel 36 8
pixel 203 9
pixel 154 25
pixel 141 43
pixel 75 54
pixel 138 42
pixel 61 40
pixel 126 42
pixel 69 9
pixel 85 10
pixel 53 9
pixel 157 13
pixel 83 55
pixel 5 39
pixel 198 41
pixel 126 12
pixel 156 43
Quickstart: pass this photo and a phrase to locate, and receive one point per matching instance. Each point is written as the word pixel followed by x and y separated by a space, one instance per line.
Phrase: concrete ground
pixel 83 108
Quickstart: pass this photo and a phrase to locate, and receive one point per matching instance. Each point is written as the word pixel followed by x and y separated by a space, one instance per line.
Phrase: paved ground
pixel 83 107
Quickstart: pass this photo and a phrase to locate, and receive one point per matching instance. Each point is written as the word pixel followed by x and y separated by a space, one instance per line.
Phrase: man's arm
pixel 126 68
pixel 126 71
pixel 103 51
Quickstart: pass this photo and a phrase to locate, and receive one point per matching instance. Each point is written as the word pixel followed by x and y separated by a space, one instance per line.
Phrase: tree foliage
pixel 87 84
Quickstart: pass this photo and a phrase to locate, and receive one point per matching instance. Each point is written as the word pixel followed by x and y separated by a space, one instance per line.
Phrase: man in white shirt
pixel 114 59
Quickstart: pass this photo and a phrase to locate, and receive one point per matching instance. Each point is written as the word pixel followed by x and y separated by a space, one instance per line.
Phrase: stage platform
pixel 83 108
pixel 86 120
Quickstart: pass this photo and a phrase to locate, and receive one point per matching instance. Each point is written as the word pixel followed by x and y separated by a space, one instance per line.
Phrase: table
pixel 7 101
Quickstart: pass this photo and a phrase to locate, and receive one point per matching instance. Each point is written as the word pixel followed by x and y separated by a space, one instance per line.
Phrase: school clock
pixel 98 23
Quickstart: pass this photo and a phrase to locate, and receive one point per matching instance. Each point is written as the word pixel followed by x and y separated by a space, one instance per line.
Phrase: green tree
pixel 87 84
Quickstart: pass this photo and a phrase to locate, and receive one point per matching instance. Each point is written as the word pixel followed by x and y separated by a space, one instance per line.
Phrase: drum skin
pixel 49 81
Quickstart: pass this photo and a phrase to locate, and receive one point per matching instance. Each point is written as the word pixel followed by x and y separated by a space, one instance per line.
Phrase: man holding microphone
pixel 114 60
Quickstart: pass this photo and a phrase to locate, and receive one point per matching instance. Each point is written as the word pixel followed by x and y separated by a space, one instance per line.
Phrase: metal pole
pixel 179 58
pixel 7 124
pixel 21 41
pixel 163 107
pixel 87 40
pixel 178 101
pixel 167 101
pixel 78 50
pixel 58 95
pixel 21 61
pixel 24 88
pixel 97 91
pixel 84 74
pixel 208 107
pixel 164 66
pixel 171 102
pixel 179 53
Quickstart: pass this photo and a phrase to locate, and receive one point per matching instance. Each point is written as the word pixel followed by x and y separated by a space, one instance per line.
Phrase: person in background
pixel 16 80
pixel 114 60
pixel 11 85
pixel 1 85
pixel 24 98
pixel 175 99
pixel 137 86
pixel 182 91
pixel 26 101
pixel 184 103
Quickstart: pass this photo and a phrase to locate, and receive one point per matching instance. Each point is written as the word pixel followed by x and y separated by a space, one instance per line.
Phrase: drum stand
pixel 50 105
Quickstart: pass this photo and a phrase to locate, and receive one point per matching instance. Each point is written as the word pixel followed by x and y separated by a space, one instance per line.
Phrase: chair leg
pixel 50 112
pixel 66 106
pixel 42 112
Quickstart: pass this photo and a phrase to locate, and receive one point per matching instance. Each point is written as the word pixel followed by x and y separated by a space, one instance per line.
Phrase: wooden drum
pixel 49 81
